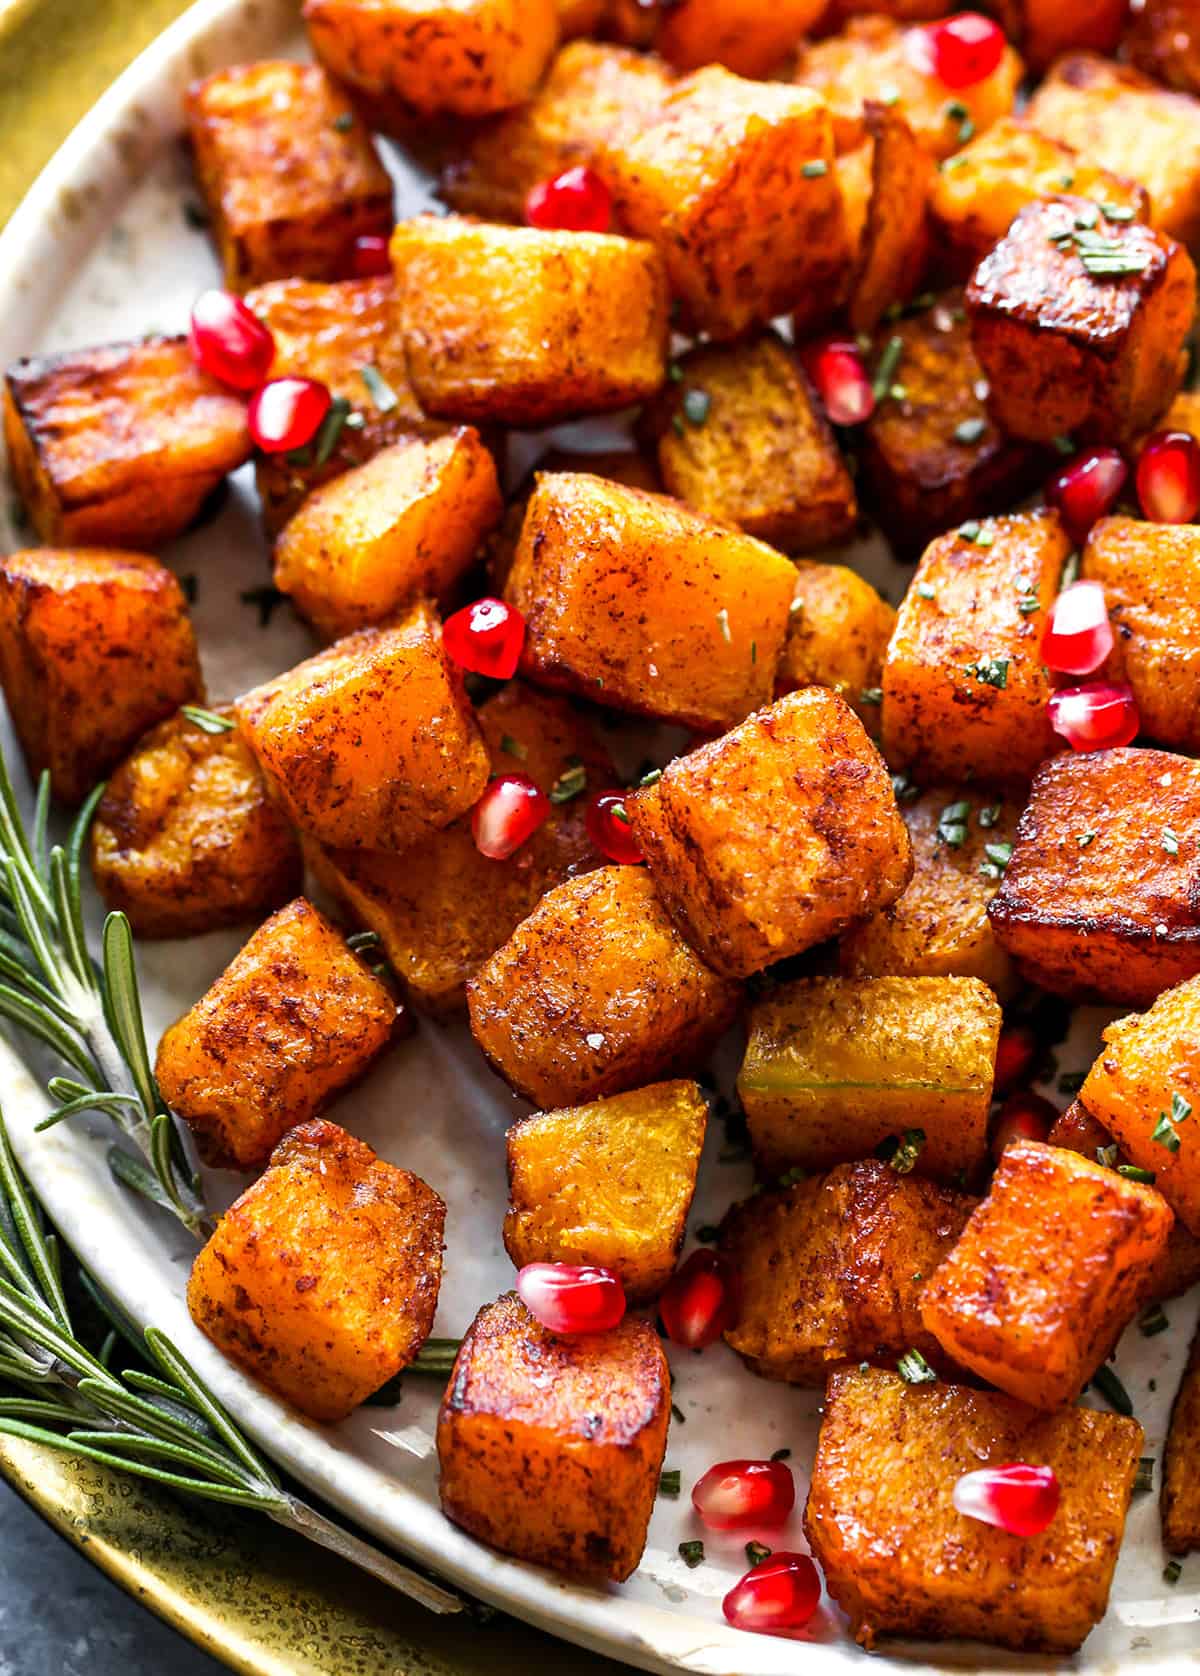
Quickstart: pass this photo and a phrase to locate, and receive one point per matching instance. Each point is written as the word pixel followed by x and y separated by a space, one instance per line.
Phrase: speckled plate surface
pixel 100 250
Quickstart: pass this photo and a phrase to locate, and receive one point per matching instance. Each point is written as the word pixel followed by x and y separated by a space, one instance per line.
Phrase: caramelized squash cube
pixel 892 247
pixel 831 1269
pixel 372 744
pixel 596 993
pixel 1079 322
pixel 838 632
pixel 964 687
pixel 634 600
pixel 119 446
pixel 322 1279
pixel 1048 1272
pixel 881 1520
pixel 776 836
pixel 608 1183
pixel 835 1067
pixel 1163 41
pixel 95 647
pixel 1099 898
pixel 1180 1481
pixel 746 36
pixel 550 1448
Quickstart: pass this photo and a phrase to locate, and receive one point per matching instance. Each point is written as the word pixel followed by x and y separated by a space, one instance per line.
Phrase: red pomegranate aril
pixel 1168 478
pixel 570 1298
pixel 964 49
pixel 1078 635
pixel 1024 1116
pixel 1086 489
pixel 486 638
pixel 1095 717
pixel 1019 1499
pixel 230 342
pixel 577 201
pixel 370 256
pixel 737 1495
pixel 700 1301
pixel 608 828
pixel 287 413
pixel 775 1596
pixel 509 812
pixel 835 367
pixel 1015 1054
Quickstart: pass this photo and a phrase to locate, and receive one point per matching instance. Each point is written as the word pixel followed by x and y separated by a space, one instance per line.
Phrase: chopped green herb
pixel 1063 445
pixel 1134 1172
pixel 915 1370
pixel 871 695
pixel 998 854
pixel 898 392
pixel 791 1177
pixel 1172 1572
pixel 696 406
pixel 970 430
pixel 1118 212
pixel 677 1413
pixel 677 424
pixel 970 530
pixel 378 388
pixel 675 373
pixel 669 1482
pixel 988 815
pixel 1083 839
pixel 958 112
pixel 757 1552
pixel 754 653
pixel 993 672
pixel 326 439
pixel 1153 1322
pixel 818 167
pixel 651 777
pixel 206 720
pixel 1070 572
pixel 908 1151
pixel 952 824
pixel 1143 1480
pixel 903 789
pixel 266 598
pixel 1170 842
pixel 723 623
pixel 1165 1130
pixel 1071 1082
pixel 1087 217
pixel 708 1234
pixel 889 95
pixel 195 215
pixel 924 591
pixel 343 122
pixel 1108 1155
pixel 885 372
pixel 986 536
pixel 782 1455
pixel 570 782
pixel 1106 1382
pixel 513 747
pixel 692 1553
pixel 190 583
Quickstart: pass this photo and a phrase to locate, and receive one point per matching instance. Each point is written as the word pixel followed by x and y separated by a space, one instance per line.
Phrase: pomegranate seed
pixel 835 367
pixel 571 1297
pixel 775 1596
pixel 964 49
pixel 1095 717
pixel 370 256
pixel 1024 1116
pixel 609 829
pixel 287 413
pixel 1015 1054
pixel 230 342
pixel 1019 1499
pixel 700 1301
pixel 1168 477
pixel 577 201
pixel 486 638
pixel 1078 634
pixel 737 1494
pixel 1086 489
pixel 509 812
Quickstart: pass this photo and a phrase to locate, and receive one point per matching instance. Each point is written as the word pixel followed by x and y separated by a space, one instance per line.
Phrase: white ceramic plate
pixel 99 251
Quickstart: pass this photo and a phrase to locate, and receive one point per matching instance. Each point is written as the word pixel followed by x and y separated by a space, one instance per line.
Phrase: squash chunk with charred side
pixel 293 1019
pixel 747 36
pixel 776 836
pixel 881 1520
pixel 889 225
pixel 741 438
pixel 734 182
pixel 835 1067
pixel 373 743
pixel 964 687
pixel 1101 899
pixel 95 647
pixel 186 838
pixel 1181 1483
pixel 119 446
pixel 838 632
pixel 831 1270
pixel 322 1279
pixel 609 1183
pixel 550 1448
pixel 596 993
pixel 1048 1272
pixel 643 605
pixel 1078 321
pixel 288 171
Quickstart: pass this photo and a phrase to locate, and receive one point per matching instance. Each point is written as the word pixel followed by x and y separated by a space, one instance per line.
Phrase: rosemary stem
pixel 298 1516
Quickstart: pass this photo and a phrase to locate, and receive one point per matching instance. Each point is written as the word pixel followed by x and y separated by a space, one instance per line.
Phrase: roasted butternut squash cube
pixel 740 437
pixel 1121 120
pixel 186 838
pixel 95 647
pixel 938 927
pixel 881 1520
pixel 322 1279
pixel 733 181
pixel 1078 321
pixel 932 457
pixel 441 908
pixel 550 1448
pixel 636 601
pixel 437 57
pixel 893 244
pixel 1043 29
pixel 527 327
pixel 835 1067
pixel 1099 900
pixel 294 1018
pixel 831 1269
pixel 776 836
pixel 1049 1270
pixel 288 171
pixel 747 36
pixel 1142 1089
pixel 596 993
pixel 838 631
pixel 119 446
pixel 372 744
pixel 409 522
pixel 1180 1482
pixel 1163 41
pixel 609 1183
pixel 964 687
